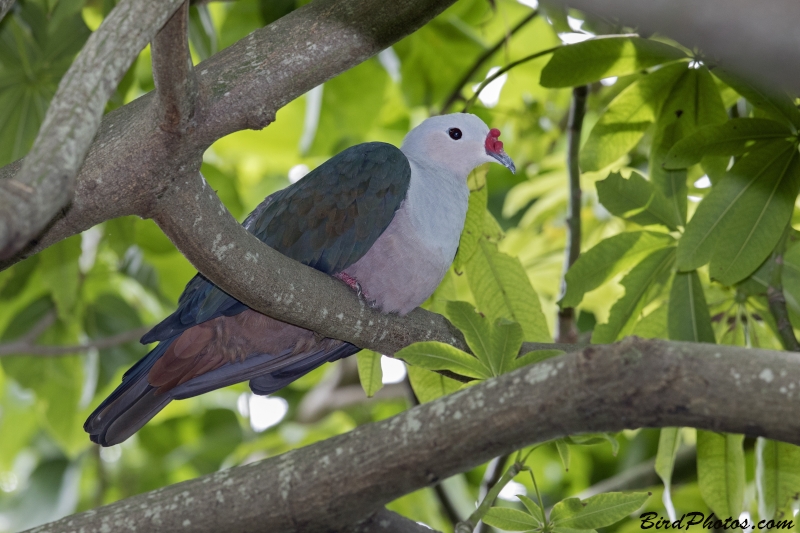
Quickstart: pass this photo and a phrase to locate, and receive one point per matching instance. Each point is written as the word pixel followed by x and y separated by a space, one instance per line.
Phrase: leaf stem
pixel 539 499
pixel 466 526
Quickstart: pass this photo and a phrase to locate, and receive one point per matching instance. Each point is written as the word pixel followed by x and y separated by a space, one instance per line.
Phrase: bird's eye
pixel 454 133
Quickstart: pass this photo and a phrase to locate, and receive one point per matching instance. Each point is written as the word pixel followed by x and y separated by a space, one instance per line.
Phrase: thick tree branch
pixel 45 182
pixel 132 162
pixel 342 480
pixel 567 330
pixel 766 46
pixel 173 72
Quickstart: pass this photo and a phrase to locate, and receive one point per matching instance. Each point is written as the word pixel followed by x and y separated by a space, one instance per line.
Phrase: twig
pixel 173 72
pixel 567 329
pixel 505 69
pixel 26 346
pixel 456 92
pixel 447 505
pixel 466 526
pixel 777 300
pixel 494 472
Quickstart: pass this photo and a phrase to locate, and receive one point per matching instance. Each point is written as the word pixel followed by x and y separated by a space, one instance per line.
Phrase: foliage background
pixel 125 274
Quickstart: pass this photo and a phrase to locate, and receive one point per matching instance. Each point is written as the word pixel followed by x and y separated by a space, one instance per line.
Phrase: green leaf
pixel 351 103
pixel 720 471
pixel 473 227
pixel 777 477
pixel 668 443
pixel 477 333
pixel 434 355
pixel 563 452
pixel 637 283
pixel 595 59
pixel 740 221
pixel 590 439
pixel 731 138
pixel 608 258
pixel 602 510
pixel 536 356
pixel 693 102
pixel 507 339
pixel 429 385
pixel 60 274
pixel 510 519
pixel 533 508
pixel 688 318
pixel 628 117
pixel 502 290
pixel 637 200
pixel 776 104
pixel 369 371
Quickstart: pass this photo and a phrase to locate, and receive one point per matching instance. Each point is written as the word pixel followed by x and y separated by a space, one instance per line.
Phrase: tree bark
pixel 343 480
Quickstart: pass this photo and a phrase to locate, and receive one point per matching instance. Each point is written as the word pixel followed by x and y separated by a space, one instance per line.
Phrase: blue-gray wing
pixel 327 220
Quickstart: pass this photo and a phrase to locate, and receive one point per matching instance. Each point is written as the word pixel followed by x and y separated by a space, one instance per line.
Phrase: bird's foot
pixel 353 284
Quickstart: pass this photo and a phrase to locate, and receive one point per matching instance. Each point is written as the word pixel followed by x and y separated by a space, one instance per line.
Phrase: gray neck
pixel 437 203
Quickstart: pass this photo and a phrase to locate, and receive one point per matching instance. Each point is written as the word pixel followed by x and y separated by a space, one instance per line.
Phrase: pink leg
pixel 352 283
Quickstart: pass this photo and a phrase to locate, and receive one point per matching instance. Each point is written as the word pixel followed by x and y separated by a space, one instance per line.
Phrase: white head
pixel 459 141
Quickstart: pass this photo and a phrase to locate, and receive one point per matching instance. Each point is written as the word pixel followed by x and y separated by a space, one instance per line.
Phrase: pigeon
pixel 383 220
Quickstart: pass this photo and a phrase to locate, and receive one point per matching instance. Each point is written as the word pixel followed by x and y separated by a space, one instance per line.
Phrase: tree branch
pixel 340 481
pixel 27 346
pixel 173 72
pixel 766 37
pixel 45 182
pixel 455 94
pixel 567 330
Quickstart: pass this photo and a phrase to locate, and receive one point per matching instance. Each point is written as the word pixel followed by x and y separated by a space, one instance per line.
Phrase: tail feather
pixel 132 404
pixel 274 381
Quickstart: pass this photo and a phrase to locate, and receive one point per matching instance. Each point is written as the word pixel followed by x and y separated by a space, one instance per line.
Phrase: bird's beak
pixel 494 148
pixel 504 160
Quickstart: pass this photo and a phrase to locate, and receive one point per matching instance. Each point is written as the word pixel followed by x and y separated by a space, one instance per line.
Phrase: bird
pixel 384 220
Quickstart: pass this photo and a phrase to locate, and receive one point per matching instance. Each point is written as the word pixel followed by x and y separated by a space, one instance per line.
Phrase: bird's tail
pixel 131 405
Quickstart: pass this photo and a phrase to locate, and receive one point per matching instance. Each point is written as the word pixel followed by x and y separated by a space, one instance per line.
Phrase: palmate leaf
pixel 731 138
pixel 510 519
pixel 693 102
pixel 370 373
pixel 741 220
pixel 533 508
pixel 608 258
pixel 638 283
pixel 507 339
pixel 433 355
pixel 477 333
pixel 602 510
pixel 502 290
pixel 536 356
pixel 429 385
pixel 688 318
pixel 776 104
pixel 628 117
pixel 637 200
pixel 593 60
pixel 777 476
pixel 720 471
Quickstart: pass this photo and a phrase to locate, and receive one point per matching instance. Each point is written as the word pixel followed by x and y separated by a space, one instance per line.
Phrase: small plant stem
pixel 777 300
pixel 567 329
pixel 466 526
pixel 539 498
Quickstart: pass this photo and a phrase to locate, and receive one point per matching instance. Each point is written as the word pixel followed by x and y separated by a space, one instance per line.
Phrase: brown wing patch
pixel 212 344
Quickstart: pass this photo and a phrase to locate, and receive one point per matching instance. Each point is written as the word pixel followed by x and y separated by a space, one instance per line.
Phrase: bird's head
pixel 460 140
